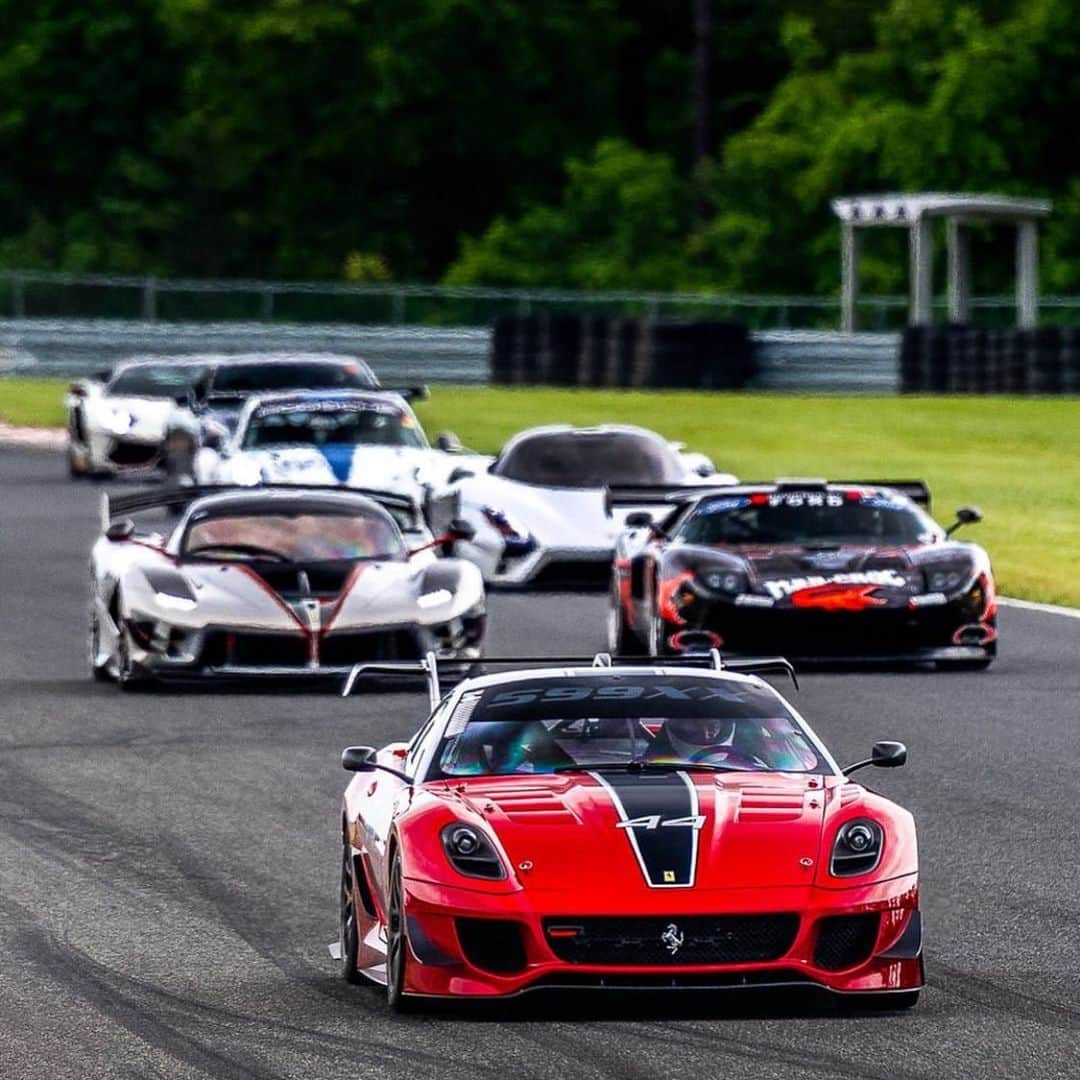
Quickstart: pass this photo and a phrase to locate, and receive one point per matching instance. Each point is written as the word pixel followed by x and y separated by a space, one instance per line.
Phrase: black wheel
pixel 896 1001
pixel 622 641
pixel 128 675
pixel 348 939
pixel 75 470
pixel 98 672
pixel 397 945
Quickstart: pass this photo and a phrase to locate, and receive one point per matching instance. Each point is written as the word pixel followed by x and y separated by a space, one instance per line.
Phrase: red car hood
pixel 639 835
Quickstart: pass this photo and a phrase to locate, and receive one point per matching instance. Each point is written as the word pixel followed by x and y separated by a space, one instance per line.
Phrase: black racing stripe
pixel 667 853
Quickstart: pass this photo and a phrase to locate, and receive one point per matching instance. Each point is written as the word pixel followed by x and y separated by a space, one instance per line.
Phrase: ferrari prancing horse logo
pixel 673 938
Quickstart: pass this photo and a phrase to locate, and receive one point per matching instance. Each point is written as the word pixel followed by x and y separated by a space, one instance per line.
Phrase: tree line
pixel 511 142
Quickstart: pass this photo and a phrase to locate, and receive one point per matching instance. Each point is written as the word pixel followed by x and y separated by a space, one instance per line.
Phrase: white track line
pixel 1046 609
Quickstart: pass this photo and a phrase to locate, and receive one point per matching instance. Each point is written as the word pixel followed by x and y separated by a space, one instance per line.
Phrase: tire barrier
pixel 960 359
pixel 598 351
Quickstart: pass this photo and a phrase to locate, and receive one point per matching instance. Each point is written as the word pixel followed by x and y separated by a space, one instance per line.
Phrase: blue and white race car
pixel 365 439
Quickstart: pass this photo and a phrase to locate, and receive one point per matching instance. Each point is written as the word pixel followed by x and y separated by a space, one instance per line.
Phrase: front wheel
pixel 129 676
pixel 98 672
pixel 348 938
pixel 397 943
pixel 622 641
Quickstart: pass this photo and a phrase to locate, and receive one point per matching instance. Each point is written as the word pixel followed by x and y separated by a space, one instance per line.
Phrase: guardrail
pixel 41 294
pixel 818 361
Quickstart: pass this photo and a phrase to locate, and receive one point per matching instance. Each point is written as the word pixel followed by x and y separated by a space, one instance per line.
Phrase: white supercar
pixel 274 582
pixel 543 513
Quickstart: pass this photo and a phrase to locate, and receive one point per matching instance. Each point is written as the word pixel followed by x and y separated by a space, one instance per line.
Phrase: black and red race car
pixel 818 571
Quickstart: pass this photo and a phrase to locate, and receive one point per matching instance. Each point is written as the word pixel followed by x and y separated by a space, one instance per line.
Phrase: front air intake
pixel 844 941
pixel 493 945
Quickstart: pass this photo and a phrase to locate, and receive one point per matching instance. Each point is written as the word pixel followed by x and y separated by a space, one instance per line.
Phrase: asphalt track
pixel 168 866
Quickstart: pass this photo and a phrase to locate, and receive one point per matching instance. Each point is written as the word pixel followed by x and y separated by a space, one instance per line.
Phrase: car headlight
pixel 948 578
pixel 470 852
pixel 725 581
pixel 857 848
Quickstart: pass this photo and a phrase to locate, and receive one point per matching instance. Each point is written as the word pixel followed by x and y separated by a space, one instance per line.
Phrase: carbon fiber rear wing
pixel 429 666
pixel 918 491
pixel 178 498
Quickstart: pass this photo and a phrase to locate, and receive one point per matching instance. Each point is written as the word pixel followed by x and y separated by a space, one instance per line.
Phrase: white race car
pixel 365 439
pixel 154 412
pixel 273 582
pixel 117 422
pixel 543 511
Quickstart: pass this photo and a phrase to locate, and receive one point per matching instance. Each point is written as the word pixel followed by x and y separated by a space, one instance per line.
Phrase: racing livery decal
pixel 781 587
pixel 660 816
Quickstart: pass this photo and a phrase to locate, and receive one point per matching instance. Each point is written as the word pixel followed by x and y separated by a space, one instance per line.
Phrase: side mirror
pixel 448 442
pixel 460 473
pixel 358 759
pixel 77 389
pixel 883 755
pixel 120 530
pixel 639 519
pixel 966 515
pixel 460 529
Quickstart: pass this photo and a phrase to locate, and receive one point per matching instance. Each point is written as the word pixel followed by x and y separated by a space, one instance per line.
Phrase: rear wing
pixel 403 508
pixel 428 667
pixel 656 494
pixel 918 491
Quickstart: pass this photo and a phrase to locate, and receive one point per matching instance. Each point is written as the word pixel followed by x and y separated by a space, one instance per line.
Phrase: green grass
pixel 1019 460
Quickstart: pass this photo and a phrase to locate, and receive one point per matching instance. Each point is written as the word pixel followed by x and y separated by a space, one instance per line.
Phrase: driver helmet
pixel 690 735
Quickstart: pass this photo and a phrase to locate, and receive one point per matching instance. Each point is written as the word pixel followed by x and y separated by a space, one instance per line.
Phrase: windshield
pixel 247 378
pixel 333 423
pixel 155 381
pixel 816 519
pixel 577 459
pixel 549 726
pixel 301 537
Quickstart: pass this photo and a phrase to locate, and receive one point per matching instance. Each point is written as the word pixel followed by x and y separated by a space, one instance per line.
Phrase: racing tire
pixel 658 635
pixel 397 943
pixel 895 1001
pixel 622 641
pixel 75 471
pixel 348 936
pixel 128 676
pixel 98 672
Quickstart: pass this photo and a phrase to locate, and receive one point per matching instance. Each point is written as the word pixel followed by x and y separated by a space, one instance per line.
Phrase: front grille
pixel 679 940
pixel 845 940
pixel 132 454
pixel 255 650
pixel 339 650
pixel 492 944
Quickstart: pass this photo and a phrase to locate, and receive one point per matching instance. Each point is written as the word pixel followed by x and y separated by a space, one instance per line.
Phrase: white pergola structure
pixel 916 213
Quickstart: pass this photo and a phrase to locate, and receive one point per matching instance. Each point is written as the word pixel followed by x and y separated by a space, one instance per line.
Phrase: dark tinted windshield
pixel 155 380
pixel 807 519
pixel 589 459
pixel 333 423
pixel 291 375
pixel 304 537
pixel 546 726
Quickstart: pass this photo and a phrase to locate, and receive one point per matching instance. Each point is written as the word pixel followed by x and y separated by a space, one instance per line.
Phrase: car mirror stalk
pixel 884 755
pixel 365 759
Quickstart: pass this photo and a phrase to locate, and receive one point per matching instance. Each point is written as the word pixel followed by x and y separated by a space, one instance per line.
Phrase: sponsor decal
pixel 660 816
pixel 718 506
pixel 753 600
pixel 631 692
pixel 838 598
pixel 783 587
pixel 809 499
pixel 934 599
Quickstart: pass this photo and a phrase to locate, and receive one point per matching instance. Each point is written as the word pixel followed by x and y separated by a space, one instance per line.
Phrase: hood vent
pixel 530 806
pixel 850 793
pixel 769 804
